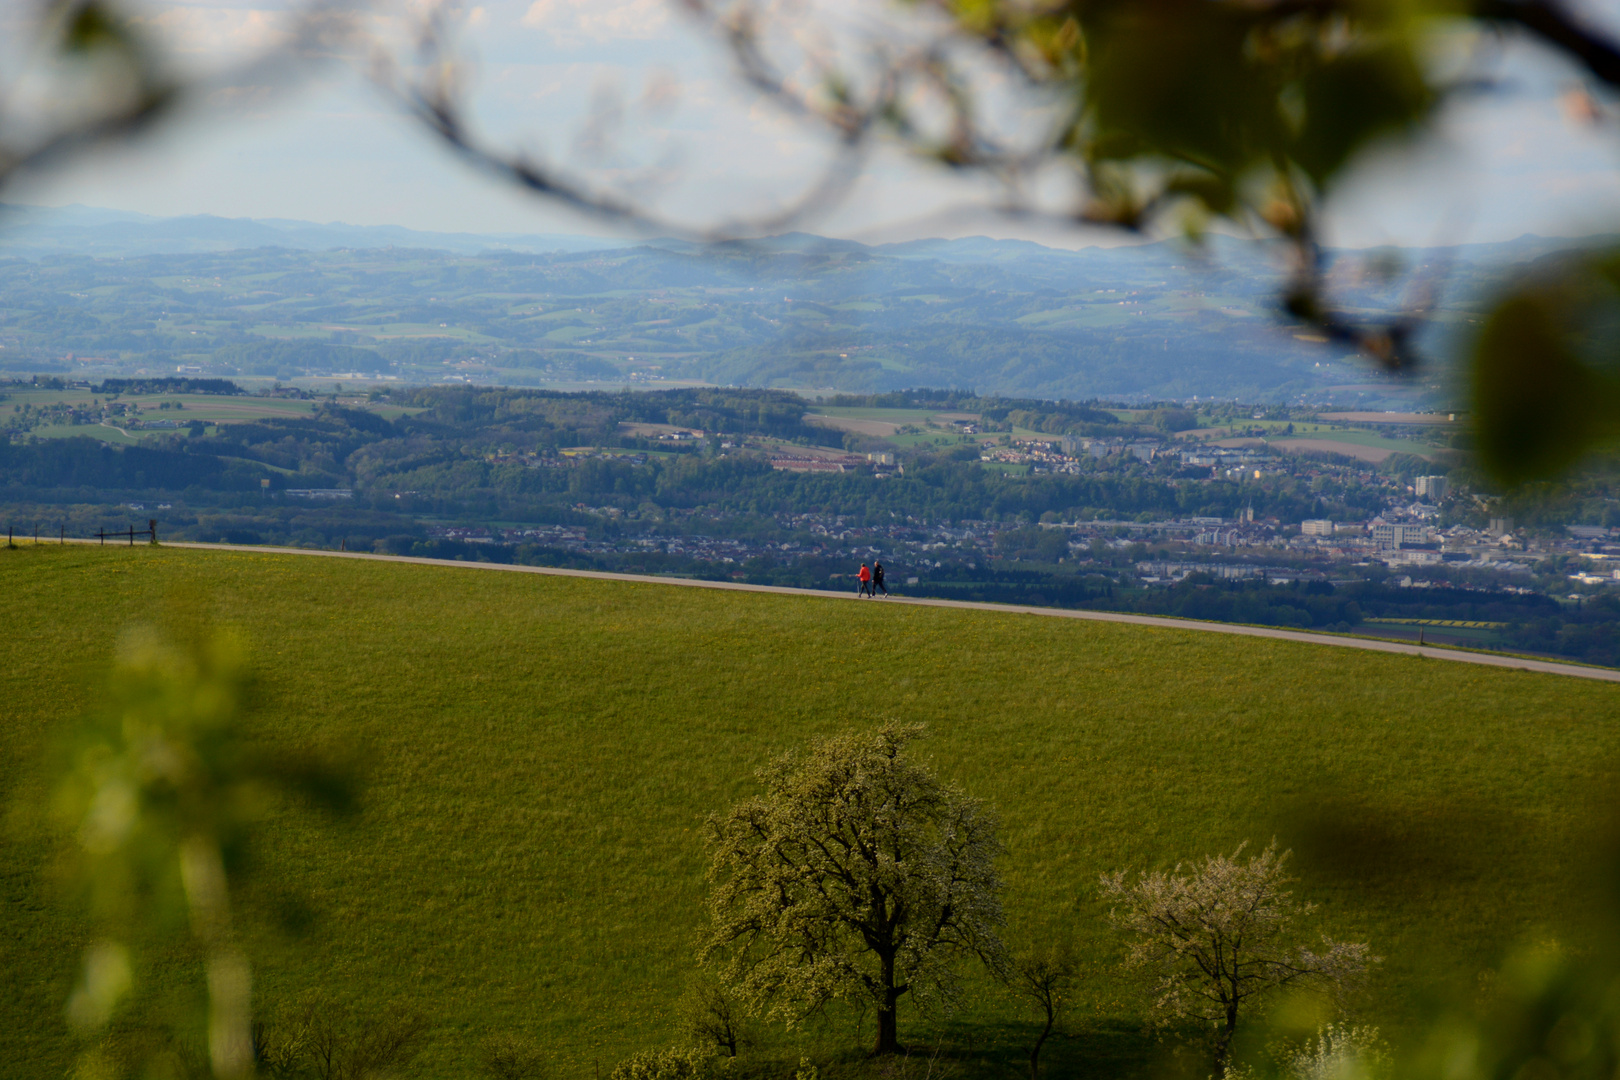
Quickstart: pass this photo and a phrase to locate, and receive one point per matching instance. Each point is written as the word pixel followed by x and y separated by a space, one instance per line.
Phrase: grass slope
pixel 541 753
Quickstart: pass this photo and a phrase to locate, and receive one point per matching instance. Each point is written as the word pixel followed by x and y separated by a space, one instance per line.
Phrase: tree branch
pixel 1557 26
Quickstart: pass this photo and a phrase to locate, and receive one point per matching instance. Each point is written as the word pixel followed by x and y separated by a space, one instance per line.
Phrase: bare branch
pixel 1556 25
pixel 98 32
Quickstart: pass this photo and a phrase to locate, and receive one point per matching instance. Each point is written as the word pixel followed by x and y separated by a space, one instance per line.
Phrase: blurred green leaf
pixel 1353 99
pixel 161 791
pixel 1200 98
pixel 91 27
pixel 1538 406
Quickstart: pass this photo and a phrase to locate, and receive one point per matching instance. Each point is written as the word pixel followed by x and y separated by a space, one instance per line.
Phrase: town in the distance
pixel 1362 522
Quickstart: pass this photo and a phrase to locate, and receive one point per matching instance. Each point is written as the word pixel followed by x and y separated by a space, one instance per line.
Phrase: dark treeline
pixel 459 454
pixel 74 469
pixel 167 385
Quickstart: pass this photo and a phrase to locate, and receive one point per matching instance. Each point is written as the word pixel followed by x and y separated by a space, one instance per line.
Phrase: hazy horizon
pixel 1515 159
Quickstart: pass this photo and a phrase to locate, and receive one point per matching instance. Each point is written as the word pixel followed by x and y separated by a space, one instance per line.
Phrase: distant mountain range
pixel 120 293
pixel 32 231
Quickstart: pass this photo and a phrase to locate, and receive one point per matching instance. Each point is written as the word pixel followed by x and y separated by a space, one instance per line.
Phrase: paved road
pixel 1429 652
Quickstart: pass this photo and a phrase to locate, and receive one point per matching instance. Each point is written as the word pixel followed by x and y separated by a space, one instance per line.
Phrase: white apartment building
pixel 1433 488
pixel 1392 537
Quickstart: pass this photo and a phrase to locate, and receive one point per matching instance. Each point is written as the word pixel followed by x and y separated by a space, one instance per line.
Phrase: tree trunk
pixel 1035 1051
pixel 1223 1042
pixel 888 1034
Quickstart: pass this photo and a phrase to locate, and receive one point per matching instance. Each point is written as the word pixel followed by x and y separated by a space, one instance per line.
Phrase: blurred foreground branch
pixel 161 793
pixel 1156 114
pixel 1146 115
pixel 95 76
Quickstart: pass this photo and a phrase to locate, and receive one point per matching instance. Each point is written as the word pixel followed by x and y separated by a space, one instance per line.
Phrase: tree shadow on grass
pixel 1092 1049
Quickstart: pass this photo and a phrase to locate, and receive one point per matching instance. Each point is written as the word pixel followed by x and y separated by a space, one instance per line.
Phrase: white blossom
pixel 1342 1052
pixel 857 876
pixel 1222 933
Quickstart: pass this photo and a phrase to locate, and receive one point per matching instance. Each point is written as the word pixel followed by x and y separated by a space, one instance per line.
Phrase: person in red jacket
pixel 865 578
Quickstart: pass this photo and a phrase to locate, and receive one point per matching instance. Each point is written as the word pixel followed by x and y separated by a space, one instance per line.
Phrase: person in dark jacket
pixel 877 580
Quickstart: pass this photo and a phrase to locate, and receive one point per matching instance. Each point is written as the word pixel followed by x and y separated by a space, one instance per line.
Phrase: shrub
pixel 672 1063
pixel 1342 1052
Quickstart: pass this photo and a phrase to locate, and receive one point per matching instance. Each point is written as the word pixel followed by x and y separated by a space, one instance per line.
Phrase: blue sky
pixel 332 149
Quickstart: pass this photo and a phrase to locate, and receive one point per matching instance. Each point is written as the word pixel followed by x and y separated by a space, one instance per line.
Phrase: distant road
pixel 1370 645
pixel 1391 418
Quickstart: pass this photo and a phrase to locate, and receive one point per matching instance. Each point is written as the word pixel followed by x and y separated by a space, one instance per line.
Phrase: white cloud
pixel 575 22
pixel 688 137
pixel 219 32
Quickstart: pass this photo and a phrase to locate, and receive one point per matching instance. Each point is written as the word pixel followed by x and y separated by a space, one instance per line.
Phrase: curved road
pixel 1487 659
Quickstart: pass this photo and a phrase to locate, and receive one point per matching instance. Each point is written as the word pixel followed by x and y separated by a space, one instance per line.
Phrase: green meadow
pixel 537 756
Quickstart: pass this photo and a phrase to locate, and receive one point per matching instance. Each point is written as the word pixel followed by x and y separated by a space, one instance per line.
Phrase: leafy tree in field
pixel 712 1016
pixel 1221 935
pixel 1044 978
pixel 513 1057
pixel 858 876
pixel 322 1039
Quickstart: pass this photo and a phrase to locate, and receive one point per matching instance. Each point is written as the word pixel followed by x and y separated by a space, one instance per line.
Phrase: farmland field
pixel 540 753
pixel 1363 445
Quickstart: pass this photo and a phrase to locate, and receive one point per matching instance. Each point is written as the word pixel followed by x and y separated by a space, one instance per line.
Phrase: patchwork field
pixel 1361 445
pixel 539 754
pixel 176 409
pixel 934 428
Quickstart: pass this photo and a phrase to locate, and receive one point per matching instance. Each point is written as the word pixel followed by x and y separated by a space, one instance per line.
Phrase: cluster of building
pixel 125 414
pixel 1165 570
pixel 1065 454
pixel 1407 535
pixel 564 459
pixel 882 464
pixel 1410 535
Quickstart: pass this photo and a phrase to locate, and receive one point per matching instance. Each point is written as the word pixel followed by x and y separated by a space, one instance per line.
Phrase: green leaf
pixel 92 27
pixel 1354 99
pixel 1537 406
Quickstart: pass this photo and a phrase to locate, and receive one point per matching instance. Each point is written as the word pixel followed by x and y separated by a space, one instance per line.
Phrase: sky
pixel 634 92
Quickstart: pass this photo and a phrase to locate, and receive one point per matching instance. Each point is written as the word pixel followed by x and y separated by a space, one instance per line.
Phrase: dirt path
pixel 1427 652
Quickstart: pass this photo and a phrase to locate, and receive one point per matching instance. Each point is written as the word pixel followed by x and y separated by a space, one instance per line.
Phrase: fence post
pixel 132 536
pixel 64 535
pixel 151 527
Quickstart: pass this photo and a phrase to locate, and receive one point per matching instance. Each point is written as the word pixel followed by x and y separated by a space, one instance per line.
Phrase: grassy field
pixel 1374 441
pixel 182 409
pixel 540 753
pixel 99 432
pixel 1335 438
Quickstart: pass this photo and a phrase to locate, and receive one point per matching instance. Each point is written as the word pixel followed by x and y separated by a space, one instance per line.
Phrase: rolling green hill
pixel 539 754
